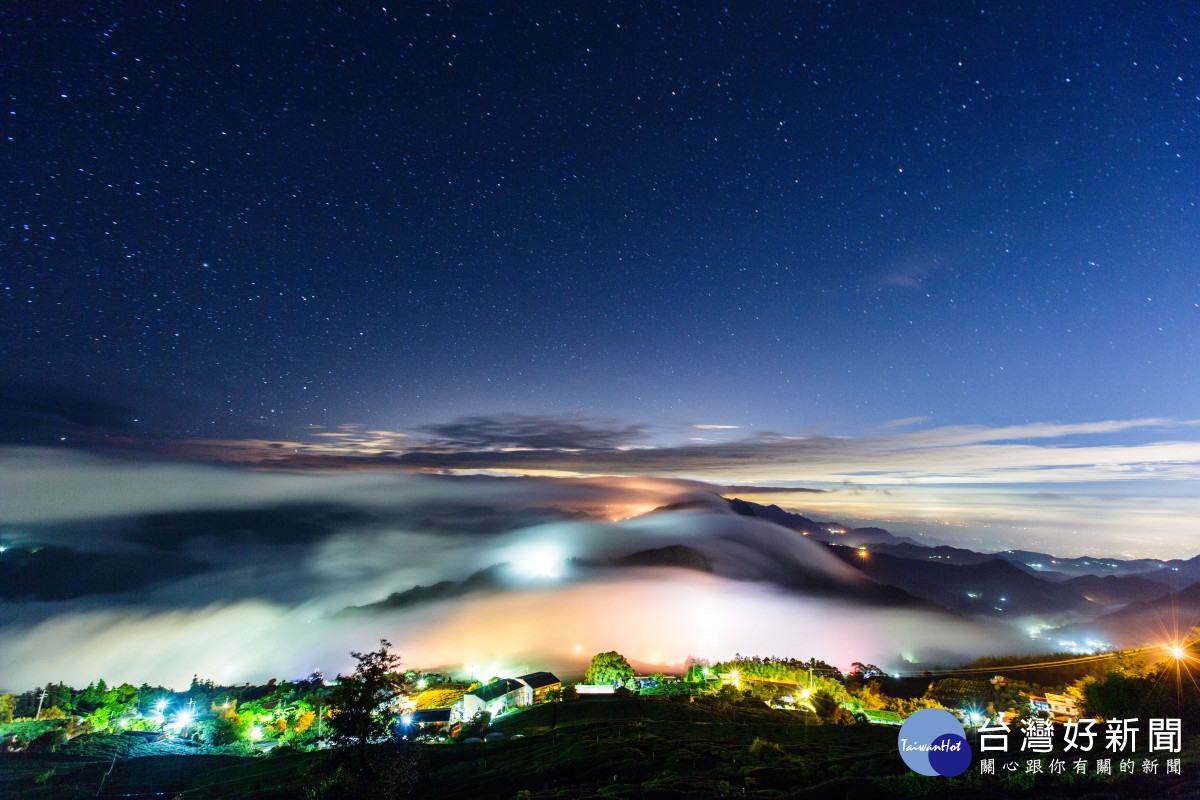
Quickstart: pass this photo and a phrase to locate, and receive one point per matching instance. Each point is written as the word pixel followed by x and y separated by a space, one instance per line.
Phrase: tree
pixel 608 668
pixel 360 700
pixel 305 721
pixel 477 726
pixel 1117 696
pixel 864 672
pixel 830 710
pixel 7 703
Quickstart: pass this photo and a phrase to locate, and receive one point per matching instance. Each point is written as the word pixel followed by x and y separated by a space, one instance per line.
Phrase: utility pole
pixel 41 697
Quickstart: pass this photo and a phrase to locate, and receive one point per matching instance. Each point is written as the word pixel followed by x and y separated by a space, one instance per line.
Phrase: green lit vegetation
pixel 752 726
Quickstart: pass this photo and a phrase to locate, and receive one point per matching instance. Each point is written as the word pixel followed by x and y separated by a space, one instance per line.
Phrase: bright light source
pixel 160 705
pixel 406 719
pixel 421 684
pixel 805 694
pixel 1177 651
pixel 183 717
pixel 539 560
pixel 255 733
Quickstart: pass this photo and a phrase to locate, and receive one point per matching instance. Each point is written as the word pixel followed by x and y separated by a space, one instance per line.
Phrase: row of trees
pixel 1130 682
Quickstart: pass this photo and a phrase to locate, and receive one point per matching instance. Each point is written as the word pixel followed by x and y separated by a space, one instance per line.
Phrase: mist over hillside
pixel 246 576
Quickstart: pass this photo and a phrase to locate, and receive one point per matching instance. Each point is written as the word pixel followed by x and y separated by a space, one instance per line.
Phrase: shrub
pixel 47 742
pixel 225 730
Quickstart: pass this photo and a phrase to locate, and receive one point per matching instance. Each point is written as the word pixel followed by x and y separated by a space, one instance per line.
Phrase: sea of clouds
pixel 277 555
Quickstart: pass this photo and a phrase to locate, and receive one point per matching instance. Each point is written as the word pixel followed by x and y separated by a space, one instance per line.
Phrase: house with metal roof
pixel 540 684
pixel 494 698
pixel 499 697
pixel 415 723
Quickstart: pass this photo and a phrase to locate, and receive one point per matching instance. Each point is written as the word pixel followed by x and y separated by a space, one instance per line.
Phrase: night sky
pixel 228 220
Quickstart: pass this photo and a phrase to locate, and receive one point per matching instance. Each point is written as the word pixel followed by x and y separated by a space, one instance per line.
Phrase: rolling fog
pixel 272 558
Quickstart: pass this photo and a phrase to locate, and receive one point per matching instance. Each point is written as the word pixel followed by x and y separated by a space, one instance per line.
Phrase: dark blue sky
pixel 227 220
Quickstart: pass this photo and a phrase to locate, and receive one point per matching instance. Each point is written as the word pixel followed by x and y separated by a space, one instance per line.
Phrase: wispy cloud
pixel 969 483
pixel 526 432
pixel 1033 453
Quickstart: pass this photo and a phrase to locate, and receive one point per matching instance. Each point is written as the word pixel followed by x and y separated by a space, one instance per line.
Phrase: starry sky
pixel 231 220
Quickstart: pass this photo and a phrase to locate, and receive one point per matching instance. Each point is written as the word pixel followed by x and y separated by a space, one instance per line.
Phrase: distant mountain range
pixel 1124 602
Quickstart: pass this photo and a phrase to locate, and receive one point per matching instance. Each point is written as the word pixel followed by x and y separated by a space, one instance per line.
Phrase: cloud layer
pixel 1119 487
pixel 281 554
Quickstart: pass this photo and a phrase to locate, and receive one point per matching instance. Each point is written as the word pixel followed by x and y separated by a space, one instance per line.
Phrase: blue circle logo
pixel 932 742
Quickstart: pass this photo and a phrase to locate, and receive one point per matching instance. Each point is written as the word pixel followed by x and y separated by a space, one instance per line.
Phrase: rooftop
pixel 539 680
pixel 495 689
